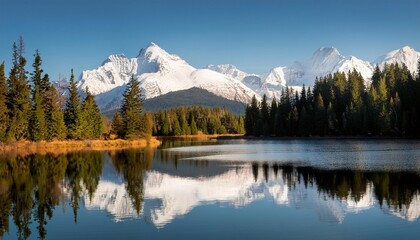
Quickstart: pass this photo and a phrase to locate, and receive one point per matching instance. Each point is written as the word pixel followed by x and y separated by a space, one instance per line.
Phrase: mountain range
pixel 160 73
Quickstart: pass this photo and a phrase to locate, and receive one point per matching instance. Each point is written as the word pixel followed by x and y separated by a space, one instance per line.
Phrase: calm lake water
pixel 225 189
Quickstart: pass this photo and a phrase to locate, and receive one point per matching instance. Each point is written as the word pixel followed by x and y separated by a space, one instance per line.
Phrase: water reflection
pixel 160 186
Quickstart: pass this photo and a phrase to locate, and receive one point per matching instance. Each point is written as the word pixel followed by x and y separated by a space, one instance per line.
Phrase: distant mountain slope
pixel 192 97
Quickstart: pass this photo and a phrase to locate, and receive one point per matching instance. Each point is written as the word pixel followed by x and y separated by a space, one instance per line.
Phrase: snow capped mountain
pixel 115 71
pixel 160 72
pixel 324 61
pixel 406 55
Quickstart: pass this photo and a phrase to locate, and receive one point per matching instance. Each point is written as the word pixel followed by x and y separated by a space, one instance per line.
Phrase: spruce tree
pixel 251 117
pixel 56 128
pixel 18 100
pixel 3 104
pixel 117 125
pixel 37 126
pixel 264 116
pixel 272 120
pixel 72 110
pixel 148 125
pixel 320 116
pixel 194 129
pixel 131 110
pixel 90 118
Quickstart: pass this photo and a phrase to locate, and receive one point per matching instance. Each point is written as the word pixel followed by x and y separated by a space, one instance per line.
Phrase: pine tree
pixel 72 110
pixel 272 119
pixel 148 125
pixel 194 129
pixel 37 126
pixel 90 118
pixel 56 128
pixel 3 104
pixel 131 110
pixel 294 121
pixel 176 129
pixel 264 116
pixel 166 125
pixel 251 117
pixel 332 119
pixel 18 95
pixel 117 125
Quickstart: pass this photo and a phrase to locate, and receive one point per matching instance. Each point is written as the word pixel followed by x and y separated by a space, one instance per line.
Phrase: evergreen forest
pixel 342 104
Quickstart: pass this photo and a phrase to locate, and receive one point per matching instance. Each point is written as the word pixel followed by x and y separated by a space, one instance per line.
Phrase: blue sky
pixel 254 35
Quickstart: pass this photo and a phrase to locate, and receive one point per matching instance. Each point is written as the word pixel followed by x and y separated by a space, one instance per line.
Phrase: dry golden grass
pixel 57 147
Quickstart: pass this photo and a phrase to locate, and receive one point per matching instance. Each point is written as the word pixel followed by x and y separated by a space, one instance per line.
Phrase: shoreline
pixel 203 136
pixel 356 137
pixel 58 147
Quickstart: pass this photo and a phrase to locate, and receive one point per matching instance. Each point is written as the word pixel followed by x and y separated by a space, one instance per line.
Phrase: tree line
pixel 341 104
pixel 33 186
pixel 193 120
pixel 398 192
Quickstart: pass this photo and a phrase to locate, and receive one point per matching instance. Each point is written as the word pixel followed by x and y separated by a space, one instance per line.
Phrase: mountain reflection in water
pixel 160 186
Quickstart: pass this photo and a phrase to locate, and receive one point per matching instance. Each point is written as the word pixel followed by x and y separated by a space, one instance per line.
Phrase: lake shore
pixel 204 136
pixel 57 147
pixel 355 137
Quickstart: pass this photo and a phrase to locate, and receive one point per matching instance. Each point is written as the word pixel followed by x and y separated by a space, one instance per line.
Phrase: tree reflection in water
pixel 132 165
pixel 32 186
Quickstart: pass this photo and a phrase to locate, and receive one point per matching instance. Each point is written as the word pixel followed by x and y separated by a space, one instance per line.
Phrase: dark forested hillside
pixel 192 97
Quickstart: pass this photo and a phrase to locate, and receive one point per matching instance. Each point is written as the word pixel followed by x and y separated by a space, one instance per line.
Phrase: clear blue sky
pixel 254 35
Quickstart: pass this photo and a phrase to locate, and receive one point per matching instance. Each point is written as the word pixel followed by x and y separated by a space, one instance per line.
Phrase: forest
pixel 342 104
pixel 32 108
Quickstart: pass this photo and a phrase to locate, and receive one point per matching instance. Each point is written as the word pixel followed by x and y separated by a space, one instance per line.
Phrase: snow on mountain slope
pixel 229 70
pixel 158 73
pixel 406 55
pixel 325 61
pixel 114 71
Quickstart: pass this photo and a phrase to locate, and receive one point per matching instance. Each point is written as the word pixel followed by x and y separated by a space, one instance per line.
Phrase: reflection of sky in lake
pixel 391 155
pixel 323 189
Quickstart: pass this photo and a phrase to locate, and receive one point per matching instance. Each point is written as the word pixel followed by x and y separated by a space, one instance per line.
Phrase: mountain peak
pixel 152 49
pixel 407 55
pixel 327 51
pixel 407 49
pixel 114 58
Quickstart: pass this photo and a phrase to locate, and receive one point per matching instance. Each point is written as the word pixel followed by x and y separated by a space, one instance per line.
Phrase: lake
pixel 217 189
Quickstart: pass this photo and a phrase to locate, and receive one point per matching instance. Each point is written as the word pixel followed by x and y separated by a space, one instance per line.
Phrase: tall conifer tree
pixel 131 110
pixel 18 95
pixel 56 128
pixel 37 126
pixel 72 110
pixel 3 104
pixel 90 119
